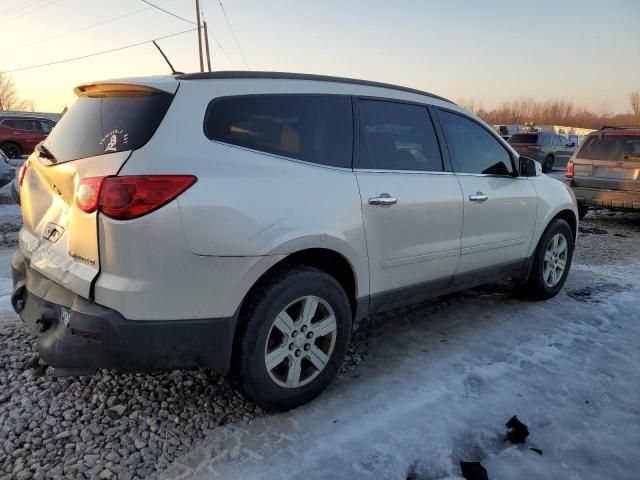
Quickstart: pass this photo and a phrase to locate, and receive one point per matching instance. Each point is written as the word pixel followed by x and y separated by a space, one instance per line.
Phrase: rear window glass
pixel 313 128
pixel 610 147
pixel 99 125
pixel 523 138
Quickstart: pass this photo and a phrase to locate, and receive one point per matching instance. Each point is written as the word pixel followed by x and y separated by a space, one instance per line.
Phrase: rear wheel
pixel 294 336
pixel 11 149
pixel 547 165
pixel 551 262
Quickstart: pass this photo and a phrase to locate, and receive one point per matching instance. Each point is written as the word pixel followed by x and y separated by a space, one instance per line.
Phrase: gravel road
pixel 135 425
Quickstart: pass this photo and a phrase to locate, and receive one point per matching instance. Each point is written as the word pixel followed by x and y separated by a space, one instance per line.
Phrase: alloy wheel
pixel 300 342
pixel 555 260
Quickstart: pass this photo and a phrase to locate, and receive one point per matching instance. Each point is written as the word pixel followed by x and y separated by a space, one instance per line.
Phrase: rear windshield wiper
pixel 43 152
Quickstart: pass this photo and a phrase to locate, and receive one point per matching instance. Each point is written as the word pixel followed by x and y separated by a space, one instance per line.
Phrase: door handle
pixel 383 200
pixel 479 197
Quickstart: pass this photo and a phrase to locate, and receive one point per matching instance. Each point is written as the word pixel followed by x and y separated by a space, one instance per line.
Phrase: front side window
pixel 45 126
pixel 397 136
pixel 473 149
pixel 313 128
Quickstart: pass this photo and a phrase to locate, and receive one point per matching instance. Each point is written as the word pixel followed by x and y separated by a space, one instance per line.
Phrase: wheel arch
pixel 324 259
pixel 568 216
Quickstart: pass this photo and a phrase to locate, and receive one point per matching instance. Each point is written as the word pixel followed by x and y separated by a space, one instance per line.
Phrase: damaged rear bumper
pixel 76 333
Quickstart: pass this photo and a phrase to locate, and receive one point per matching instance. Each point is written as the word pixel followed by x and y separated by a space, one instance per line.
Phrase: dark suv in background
pixel 547 148
pixel 605 172
pixel 20 134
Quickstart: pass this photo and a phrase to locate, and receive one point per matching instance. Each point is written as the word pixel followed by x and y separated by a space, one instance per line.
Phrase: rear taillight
pixel 568 173
pixel 22 171
pixel 88 193
pixel 533 148
pixel 124 198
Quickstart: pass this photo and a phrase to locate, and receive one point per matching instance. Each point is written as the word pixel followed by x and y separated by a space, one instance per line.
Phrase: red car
pixel 20 134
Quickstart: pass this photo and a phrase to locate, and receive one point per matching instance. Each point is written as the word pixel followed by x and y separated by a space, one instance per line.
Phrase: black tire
pixel 547 165
pixel 256 322
pixel 535 288
pixel 11 149
pixel 582 211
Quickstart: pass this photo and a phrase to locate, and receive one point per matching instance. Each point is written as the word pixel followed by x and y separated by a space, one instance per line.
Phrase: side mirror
pixel 570 145
pixel 529 167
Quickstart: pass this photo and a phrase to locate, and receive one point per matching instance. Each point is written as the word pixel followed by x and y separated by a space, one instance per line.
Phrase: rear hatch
pixel 94 138
pixel 524 143
pixel 609 160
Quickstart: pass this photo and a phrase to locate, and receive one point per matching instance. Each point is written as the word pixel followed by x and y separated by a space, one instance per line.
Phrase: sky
pixel 490 51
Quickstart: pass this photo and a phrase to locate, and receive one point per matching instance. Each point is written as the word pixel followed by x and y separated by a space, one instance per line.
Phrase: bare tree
pixel 9 99
pixel 555 112
pixel 635 104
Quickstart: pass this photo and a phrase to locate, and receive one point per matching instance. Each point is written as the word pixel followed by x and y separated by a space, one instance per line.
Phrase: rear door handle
pixel 479 197
pixel 383 200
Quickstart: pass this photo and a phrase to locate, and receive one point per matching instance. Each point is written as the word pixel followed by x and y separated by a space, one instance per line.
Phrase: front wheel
pixel 294 336
pixel 551 262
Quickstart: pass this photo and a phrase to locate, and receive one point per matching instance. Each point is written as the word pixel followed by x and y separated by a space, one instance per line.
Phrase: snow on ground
pixel 440 382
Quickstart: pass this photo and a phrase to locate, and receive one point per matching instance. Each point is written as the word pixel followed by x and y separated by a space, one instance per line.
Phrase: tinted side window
pixel 397 136
pixel 545 140
pixel 46 126
pixel 473 149
pixel 18 124
pixel 313 128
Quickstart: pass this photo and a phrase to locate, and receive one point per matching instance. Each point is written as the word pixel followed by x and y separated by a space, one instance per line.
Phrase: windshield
pixel 610 147
pixel 107 124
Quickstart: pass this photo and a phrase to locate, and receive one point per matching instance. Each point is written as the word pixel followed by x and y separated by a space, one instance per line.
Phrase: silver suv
pixel 244 221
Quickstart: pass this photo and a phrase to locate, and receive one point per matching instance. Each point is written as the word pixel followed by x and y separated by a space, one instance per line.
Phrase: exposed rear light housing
pixel 533 148
pixel 88 194
pixel 128 197
pixel 569 171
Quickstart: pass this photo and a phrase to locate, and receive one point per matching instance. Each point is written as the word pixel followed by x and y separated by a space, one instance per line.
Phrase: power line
pixel 98 53
pixel 16 8
pixel 38 7
pixel 97 24
pixel 167 11
pixel 224 12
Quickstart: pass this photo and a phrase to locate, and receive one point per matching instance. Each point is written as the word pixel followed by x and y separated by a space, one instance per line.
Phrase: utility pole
pixel 206 45
pixel 199 35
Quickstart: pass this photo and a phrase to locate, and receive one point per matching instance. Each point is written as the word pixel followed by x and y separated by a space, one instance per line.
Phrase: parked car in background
pixel 286 207
pixel 20 134
pixel 7 172
pixel 605 171
pixel 549 149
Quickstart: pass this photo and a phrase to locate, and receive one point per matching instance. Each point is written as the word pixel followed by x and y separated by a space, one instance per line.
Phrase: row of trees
pixel 526 110
pixel 554 112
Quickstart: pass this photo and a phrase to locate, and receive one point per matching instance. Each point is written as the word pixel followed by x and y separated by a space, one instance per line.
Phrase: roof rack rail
pixel 612 127
pixel 301 76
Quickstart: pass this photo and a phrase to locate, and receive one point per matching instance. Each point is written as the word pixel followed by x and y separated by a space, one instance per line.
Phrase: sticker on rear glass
pixel 113 140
